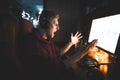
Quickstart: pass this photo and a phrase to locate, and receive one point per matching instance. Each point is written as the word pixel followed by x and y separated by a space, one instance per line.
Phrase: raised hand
pixel 76 38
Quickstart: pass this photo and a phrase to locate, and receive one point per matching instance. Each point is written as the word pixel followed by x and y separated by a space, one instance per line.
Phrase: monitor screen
pixel 107 31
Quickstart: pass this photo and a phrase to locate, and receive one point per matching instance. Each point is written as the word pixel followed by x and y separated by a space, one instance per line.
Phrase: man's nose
pixel 58 27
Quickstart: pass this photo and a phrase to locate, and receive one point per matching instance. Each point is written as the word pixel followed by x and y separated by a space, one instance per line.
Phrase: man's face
pixel 54 27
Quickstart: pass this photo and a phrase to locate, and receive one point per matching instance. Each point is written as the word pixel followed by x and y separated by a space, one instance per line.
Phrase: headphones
pixel 44 20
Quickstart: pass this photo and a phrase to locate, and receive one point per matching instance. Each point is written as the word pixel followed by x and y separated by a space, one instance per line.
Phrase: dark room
pixel 60 39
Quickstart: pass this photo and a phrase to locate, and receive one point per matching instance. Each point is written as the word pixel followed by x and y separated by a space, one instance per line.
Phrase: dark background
pixel 75 15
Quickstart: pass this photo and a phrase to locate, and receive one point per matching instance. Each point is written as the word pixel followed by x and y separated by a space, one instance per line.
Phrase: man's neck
pixel 43 34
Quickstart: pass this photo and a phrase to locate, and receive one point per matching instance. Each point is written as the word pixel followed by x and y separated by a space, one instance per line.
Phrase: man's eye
pixel 57 25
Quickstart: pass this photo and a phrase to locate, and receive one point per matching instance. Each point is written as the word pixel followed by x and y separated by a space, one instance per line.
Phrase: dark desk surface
pixel 94 73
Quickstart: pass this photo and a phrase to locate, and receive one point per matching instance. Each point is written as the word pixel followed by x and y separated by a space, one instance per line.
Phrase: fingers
pixel 76 38
pixel 71 34
pixel 78 35
pixel 93 43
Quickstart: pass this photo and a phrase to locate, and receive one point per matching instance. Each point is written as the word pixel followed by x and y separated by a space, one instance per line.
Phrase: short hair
pixel 45 18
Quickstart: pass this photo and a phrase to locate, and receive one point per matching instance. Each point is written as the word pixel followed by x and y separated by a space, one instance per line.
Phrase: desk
pixel 94 72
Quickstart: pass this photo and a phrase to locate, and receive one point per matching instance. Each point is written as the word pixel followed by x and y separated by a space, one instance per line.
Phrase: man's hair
pixel 45 18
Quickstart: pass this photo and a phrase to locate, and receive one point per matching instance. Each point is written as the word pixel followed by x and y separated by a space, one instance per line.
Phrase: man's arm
pixel 74 40
pixel 79 55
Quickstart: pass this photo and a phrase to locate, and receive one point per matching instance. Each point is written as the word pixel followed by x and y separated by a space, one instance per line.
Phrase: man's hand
pixel 76 38
pixel 92 45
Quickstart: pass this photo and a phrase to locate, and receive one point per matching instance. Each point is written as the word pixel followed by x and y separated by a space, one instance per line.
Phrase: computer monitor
pixel 106 30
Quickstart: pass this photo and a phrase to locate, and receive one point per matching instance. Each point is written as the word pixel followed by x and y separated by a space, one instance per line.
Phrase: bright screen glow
pixel 107 31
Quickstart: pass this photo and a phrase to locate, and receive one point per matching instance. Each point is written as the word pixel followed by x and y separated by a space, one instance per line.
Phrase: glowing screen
pixel 107 31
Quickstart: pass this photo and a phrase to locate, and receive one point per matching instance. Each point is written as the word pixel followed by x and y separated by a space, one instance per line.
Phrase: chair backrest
pixel 8 33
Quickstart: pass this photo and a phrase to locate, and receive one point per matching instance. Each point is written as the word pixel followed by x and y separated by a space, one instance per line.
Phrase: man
pixel 41 56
